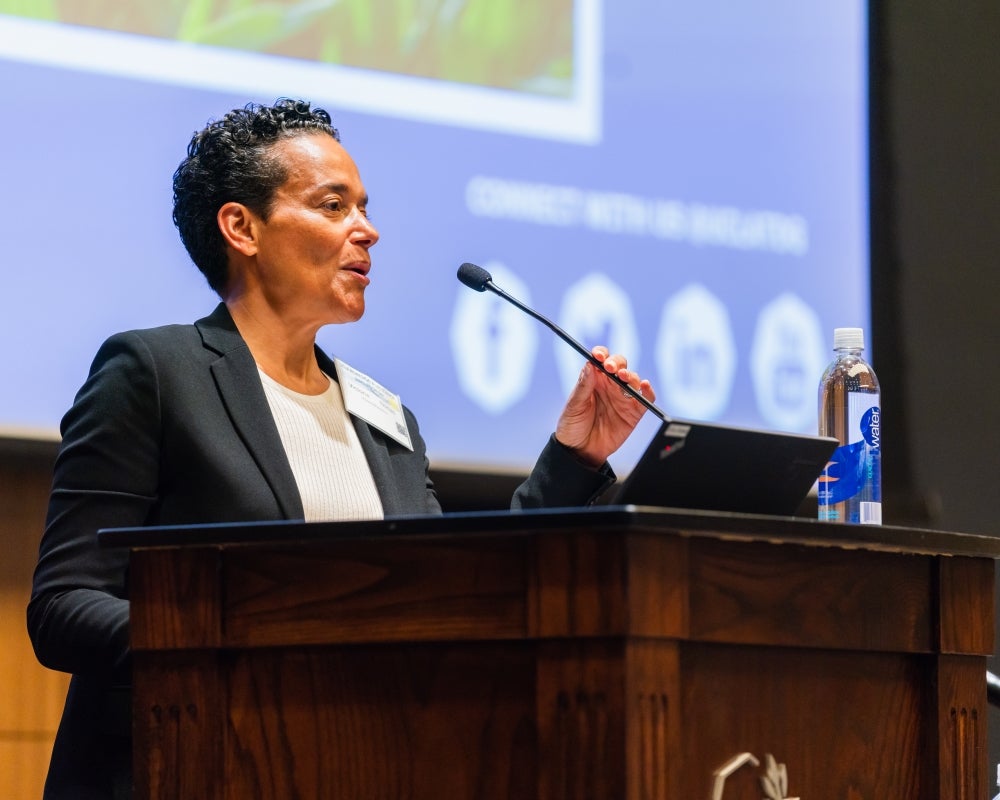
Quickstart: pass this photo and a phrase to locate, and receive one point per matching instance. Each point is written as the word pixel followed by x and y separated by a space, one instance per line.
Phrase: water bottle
pixel 850 487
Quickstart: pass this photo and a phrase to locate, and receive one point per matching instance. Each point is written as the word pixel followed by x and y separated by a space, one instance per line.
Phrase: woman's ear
pixel 238 225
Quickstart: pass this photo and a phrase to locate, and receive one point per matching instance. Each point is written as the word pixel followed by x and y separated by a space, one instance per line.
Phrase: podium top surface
pixel 610 519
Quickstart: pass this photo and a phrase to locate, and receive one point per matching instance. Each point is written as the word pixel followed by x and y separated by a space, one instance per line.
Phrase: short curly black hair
pixel 229 161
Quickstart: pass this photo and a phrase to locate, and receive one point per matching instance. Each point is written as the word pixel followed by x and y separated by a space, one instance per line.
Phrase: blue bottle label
pixel 850 487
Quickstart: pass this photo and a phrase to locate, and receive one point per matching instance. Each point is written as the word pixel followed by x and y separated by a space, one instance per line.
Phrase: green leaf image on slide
pixel 521 45
pixel 35 9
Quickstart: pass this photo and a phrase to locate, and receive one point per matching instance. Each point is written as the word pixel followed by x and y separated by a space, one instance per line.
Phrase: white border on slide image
pixel 575 119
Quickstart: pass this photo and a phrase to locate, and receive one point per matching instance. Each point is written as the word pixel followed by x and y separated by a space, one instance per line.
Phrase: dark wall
pixel 936 269
pixel 939 114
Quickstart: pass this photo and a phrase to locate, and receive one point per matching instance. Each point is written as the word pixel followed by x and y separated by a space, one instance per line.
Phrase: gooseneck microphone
pixel 479 279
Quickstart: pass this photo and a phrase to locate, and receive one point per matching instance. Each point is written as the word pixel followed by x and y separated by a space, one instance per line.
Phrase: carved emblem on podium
pixel 774 781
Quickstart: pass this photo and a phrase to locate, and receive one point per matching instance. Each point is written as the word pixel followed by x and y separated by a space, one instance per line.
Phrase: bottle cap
pixel 848 339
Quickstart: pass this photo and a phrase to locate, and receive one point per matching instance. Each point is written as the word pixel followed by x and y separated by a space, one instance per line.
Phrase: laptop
pixel 700 465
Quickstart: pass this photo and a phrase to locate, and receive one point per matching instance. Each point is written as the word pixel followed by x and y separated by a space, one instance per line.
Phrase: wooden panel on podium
pixel 611 653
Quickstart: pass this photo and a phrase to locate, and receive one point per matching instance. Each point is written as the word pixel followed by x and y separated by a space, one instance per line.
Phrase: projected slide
pixel 525 67
pixel 686 183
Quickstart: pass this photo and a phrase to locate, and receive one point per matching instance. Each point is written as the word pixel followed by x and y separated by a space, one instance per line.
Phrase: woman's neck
pixel 285 352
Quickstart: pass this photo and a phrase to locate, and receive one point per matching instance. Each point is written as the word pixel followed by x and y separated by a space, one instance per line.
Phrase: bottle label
pixel 850 487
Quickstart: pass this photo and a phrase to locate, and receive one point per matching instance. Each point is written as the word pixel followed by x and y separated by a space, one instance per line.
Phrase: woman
pixel 241 417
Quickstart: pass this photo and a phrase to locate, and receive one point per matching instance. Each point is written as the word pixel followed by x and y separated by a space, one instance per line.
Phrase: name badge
pixel 373 403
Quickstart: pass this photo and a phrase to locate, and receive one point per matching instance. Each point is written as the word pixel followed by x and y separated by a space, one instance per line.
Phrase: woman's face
pixel 312 257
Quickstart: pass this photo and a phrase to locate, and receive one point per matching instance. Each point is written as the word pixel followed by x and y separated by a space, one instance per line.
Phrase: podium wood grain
pixel 558 661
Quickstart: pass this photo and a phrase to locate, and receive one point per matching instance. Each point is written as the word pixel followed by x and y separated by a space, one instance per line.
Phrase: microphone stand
pixel 488 284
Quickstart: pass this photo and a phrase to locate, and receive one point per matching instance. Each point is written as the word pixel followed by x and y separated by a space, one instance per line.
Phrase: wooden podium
pixel 606 653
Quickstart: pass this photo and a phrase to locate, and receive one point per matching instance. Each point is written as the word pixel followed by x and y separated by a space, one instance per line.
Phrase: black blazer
pixel 172 427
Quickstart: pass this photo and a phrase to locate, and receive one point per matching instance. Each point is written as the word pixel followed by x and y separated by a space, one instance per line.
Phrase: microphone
pixel 477 278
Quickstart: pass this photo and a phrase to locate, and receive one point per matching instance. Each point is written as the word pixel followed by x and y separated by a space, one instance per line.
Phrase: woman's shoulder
pixel 211 331
pixel 155 340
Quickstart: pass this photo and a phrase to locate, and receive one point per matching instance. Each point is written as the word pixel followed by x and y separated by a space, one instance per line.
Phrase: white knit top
pixel 330 468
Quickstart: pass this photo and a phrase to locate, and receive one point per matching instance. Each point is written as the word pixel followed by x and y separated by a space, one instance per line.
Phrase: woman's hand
pixel 599 415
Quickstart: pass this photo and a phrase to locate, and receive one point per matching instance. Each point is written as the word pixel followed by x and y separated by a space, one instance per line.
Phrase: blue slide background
pixel 757 107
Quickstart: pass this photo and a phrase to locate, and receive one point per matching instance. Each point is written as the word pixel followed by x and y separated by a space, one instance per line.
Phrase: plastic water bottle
pixel 850 488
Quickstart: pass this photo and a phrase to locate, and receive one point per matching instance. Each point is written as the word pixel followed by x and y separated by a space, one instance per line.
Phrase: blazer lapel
pixel 242 394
